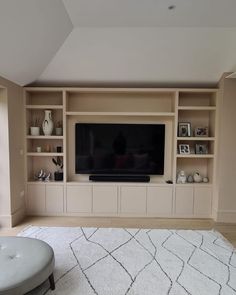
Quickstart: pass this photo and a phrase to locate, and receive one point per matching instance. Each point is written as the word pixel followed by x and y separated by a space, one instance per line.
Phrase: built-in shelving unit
pixel 76 195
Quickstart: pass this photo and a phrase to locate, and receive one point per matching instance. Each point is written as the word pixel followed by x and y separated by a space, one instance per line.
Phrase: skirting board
pixel 13 219
pixel 226 216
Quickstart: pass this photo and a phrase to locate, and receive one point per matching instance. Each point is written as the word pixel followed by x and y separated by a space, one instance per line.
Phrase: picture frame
pixel 201 132
pixel 201 149
pixel 184 149
pixel 184 129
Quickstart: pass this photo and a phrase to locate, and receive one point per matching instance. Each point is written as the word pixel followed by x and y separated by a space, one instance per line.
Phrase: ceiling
pixel 107 42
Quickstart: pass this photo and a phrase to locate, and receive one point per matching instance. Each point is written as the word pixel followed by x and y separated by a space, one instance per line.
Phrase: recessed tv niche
pixel 122 149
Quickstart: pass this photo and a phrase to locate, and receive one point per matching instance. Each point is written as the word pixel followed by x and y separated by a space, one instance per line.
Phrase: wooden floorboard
pixel 227 230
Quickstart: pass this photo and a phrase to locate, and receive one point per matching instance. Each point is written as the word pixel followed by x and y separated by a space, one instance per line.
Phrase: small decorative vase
pixel 190 179
pixel 197 177
pixel 47 123
pixel 34 131
pixel 58 131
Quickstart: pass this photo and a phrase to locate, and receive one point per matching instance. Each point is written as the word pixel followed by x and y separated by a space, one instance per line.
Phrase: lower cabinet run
pixel 89 199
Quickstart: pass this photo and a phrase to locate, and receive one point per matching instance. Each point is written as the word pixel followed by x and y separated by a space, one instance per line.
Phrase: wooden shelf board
pixel 194 184
pixel 196 138
pixel 196 108
pixel 35 154
pixel 157 114
pixel 51 182
pixel 46 107
pixel 44 137
pixel 195 156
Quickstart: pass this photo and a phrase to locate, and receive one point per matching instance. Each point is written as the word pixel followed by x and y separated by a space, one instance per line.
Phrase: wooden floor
pixel 228 230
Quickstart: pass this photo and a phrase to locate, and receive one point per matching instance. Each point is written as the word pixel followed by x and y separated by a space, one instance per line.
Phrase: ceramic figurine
pixel 205 179
pixel 190 179
pixel 197 177
pixel 181 177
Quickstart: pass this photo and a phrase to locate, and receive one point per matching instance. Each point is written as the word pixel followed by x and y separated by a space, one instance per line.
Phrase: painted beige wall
pixel 227 156
pixel 11 202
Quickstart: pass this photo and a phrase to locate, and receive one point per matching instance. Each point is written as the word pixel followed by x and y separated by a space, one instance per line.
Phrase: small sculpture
pixel 182 178
pixel 190 179
pixel 42 176
pixel 205 179
pixel 197 177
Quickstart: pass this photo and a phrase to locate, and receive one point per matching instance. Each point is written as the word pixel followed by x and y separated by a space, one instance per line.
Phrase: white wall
pixel 12 204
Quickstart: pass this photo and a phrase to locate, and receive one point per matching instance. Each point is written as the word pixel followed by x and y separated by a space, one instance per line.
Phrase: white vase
pixel 47 123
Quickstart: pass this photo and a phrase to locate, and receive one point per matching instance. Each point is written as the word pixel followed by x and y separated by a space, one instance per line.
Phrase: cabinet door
pixel 159 201
pixel 184 201
pixel 54 198
pixel 202 201
pixel 79 199
pixel 105 199
pixel 36 198
pixel 133 200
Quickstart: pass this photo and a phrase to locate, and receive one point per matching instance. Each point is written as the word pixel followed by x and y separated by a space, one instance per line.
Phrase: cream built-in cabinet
pixel 77 196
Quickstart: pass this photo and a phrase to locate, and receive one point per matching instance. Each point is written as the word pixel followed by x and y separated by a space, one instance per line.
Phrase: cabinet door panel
pixel 159 201
pixel 36 198
pixel 184 201
pixel 133 200
pixel 79 199
pixel 202 201
pixel 105 199
pixel 54 198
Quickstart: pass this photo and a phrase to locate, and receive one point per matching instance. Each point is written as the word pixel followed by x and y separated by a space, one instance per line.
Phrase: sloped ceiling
pixel 117 41
pixel 31 32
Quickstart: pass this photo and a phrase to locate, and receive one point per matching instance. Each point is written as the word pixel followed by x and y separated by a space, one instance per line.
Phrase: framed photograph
pixel 184 149
pixel 201 131
pixel 184 129
pixel 201 149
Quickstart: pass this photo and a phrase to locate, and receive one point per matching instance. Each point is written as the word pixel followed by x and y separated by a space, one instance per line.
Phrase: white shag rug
pixel 117 261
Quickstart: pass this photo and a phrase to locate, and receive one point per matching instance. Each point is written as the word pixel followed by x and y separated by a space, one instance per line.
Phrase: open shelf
pixel 44 107
pixel 196 108
pixel 195 156
pixel 44 137
pixel 196 138
pixel 45 154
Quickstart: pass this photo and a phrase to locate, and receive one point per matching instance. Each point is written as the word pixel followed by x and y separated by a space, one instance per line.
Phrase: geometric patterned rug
pixel 119 261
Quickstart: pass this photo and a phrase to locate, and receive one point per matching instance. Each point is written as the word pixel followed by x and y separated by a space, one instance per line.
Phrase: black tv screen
pixel 126 149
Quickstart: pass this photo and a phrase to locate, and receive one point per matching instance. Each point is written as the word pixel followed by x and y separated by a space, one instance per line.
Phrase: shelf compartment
pixel 154 114
pixel 203 98
pixel 36 163
pixel 36 97
pixel 105 102
pixel 192 164
pixel 199 118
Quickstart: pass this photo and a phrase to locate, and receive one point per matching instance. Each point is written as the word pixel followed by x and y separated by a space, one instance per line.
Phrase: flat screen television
pixel 121 149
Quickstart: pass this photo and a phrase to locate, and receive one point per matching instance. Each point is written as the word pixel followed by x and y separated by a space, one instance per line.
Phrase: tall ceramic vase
pixel 47 123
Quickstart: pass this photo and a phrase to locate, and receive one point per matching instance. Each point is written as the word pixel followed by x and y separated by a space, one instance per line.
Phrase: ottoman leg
pixel 51 281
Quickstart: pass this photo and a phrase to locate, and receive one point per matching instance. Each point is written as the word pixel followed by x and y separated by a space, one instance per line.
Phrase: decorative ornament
pixel 197 177
pixel 181 178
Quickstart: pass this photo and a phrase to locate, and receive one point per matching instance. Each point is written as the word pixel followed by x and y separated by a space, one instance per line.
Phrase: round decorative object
pixel 190 179
pixel 197 177
pixel 205 179
pixel 182 178
pixel 48 123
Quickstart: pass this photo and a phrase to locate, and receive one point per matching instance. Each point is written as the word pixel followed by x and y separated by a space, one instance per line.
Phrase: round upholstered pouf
pixel 25 263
